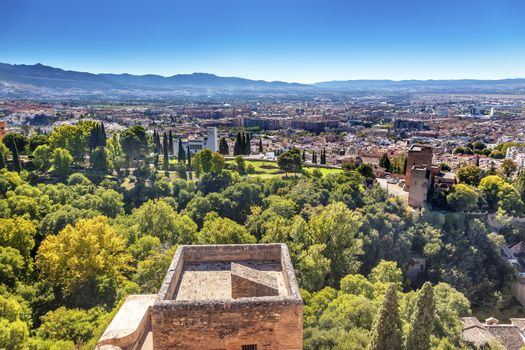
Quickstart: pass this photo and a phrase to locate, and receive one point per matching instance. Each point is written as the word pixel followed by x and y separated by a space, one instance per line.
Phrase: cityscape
pixel 239 175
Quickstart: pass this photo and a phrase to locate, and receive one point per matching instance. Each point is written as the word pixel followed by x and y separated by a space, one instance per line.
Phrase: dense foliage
pixel 90 219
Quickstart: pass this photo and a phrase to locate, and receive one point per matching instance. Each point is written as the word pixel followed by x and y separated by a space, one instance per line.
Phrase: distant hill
pixel 418 84
pixel 50 77
pixel 35 81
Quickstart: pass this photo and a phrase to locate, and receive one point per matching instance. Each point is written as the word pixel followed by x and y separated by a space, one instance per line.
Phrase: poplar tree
pixel 165 162
pixel 182 153
pixel 386 329
pixel 422 321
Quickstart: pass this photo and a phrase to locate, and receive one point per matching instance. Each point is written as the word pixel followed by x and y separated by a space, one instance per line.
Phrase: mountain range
pixel 16 79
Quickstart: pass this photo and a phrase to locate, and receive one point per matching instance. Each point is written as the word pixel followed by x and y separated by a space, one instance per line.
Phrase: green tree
pixel 217 230
pixel 261 149
pixel 348 312
pixel 41 157
pixel 182 154
pixel 290 161
pixel 337 227
pixel 398 163
pixel 3 156
pixel 61 160
pixel 223 147
pixel 99 159
pixel 14 330
pixel 151 271
pixel 385 162
pixel 500 194
pixel 217 163
pixel 519 185
pixel 156 218
pixel 422 322
pixel 165 158
pixel 70 324
pixel 508 167
pixel 386 329
pixel 170 143
pixel 247 144
pixel 366 171
pixel 238 146
pixel 19 234
pixel 387 272
pixel 12 139
pixel 240 165
pixel 12 266
pixel 72 138
pixel 134 143
pixel 313 267
pixel 463 198
pixel 90 250
pixel 470 175
pixel 17 165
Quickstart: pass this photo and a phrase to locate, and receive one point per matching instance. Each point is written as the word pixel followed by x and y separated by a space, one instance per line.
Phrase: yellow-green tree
pixel 91 249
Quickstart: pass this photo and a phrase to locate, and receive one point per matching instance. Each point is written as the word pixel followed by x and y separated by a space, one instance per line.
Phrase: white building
pixel 517 154
pixel 195 145
pixel 441 111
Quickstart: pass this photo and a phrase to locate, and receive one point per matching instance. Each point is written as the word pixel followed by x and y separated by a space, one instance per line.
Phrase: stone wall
pixel 417 158
pixel 267 323
pixel 246 288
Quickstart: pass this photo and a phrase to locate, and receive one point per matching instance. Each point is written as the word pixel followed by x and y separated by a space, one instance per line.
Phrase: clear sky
pixel 290 40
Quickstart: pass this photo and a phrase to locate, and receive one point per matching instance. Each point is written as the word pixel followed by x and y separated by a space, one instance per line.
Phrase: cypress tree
pixel 170 143
pixel 304 155
pixel 156 160
pixel 93 137
pixel 261 150
pixel 422 321
pixel 189 156
pixel 247 145
pixel 16 159
pixel 385 162
pixel 223 146
pixel 237 148
pixel 314 157
pixel 157 142
pixel 154 139
pixel 323 156
pixel 165 162
pixel 243 143
pixel 2 161
pixel 102 135
pixel 386 329
pixel 182 153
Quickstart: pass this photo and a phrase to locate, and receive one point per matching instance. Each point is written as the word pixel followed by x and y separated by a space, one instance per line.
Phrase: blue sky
pixel 290 40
